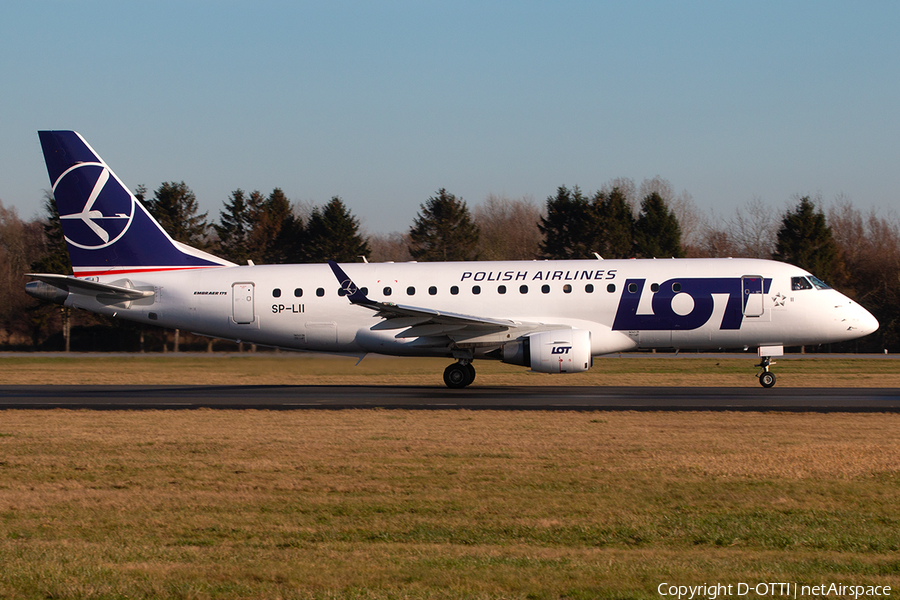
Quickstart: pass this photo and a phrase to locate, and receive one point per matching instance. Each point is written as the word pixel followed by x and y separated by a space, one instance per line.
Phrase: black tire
pixel 767 379
pixel 470 368
pixel 456 376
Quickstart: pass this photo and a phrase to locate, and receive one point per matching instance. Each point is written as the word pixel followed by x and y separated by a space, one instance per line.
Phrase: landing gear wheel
pixel 456 376
pixel 459 375
pixel 767 379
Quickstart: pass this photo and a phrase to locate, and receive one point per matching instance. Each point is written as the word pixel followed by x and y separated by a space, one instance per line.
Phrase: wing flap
pixel 430 329
pixel 399 323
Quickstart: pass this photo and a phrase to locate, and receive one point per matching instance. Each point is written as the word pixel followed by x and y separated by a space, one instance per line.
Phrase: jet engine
pixel 557 351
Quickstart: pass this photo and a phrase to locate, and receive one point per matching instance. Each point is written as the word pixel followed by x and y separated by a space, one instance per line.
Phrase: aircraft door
pixel 752 291
pixel 242 303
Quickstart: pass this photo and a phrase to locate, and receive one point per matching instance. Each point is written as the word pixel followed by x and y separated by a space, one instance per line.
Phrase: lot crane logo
pixel 95 209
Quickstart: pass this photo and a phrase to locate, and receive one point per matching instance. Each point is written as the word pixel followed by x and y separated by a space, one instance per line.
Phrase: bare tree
pixel 20 244
pixel 509 228
pixel 627 188
pixel 715 240
pixel 657 185
pixel 849 229
pixel 691 221
pixel 389 247
pixel 870 248
pixel 754 230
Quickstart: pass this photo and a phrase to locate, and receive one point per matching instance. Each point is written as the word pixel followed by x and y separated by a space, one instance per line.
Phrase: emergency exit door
pixel 242 303
pixel 752 288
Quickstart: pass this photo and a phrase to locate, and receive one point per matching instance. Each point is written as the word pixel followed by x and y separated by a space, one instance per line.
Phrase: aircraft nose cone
pixel 867 322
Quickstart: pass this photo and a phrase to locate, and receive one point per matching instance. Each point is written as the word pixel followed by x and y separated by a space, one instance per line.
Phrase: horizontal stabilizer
pixel 71 284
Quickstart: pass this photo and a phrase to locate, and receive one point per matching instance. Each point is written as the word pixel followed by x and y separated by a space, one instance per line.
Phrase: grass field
pixel 395 504
pixel 440 505
pixel 303 369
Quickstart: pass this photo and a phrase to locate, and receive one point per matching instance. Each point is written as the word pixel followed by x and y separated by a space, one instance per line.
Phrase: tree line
pixel 856 253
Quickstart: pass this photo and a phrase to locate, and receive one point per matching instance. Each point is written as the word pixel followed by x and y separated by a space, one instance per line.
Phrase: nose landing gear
pixel 459 374
pixel 766 377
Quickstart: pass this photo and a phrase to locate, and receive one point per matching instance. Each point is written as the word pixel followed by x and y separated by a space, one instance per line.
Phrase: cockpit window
pixel 820 285
pixel 800 283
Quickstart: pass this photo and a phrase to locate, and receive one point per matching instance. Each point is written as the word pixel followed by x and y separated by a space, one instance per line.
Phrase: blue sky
pixel 383 103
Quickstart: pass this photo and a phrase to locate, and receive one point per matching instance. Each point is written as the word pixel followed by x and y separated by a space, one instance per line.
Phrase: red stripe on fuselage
pixel 85 273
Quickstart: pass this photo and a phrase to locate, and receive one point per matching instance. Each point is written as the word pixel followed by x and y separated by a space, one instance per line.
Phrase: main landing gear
pixel 459 375
pixel 766 377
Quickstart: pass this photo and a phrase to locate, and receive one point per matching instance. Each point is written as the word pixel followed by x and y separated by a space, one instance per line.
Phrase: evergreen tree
pixel 332 233
pixel 233 228
pixel 257 227
pixel 657 233
pixel 806 240
pixel 614 224
pixel 276 229
pixel 569 226
pixel 443 230
pixel 175 207
pixel 56 255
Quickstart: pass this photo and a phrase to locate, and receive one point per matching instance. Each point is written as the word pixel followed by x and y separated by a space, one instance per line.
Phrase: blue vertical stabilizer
pixel 106 229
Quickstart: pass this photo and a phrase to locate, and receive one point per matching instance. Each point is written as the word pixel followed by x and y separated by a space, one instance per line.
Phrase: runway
pixel 282 397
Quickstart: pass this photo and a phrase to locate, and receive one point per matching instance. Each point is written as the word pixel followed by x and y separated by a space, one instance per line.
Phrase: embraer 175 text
pixel 552 316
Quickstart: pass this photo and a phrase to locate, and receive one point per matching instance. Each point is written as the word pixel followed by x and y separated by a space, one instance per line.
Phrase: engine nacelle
pixel 558 351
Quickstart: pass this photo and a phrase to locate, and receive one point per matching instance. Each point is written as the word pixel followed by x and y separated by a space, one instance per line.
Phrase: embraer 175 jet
pixel 552 316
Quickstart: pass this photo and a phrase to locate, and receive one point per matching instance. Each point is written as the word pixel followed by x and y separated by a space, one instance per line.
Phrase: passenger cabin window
pixel 454 290
pixel 632 288
pixel 589 288
pixel 545 288
pixel 432 291
pixel 476 289
pixel 567 288
pixel 501 289
pixel 320 292
pixel 654 287
pixel 386 291
pixel 676 287
pixel 523 289
pixel 298 293
pixel 276 293
pixel 611 288
pixel 410 291
pixel 800 283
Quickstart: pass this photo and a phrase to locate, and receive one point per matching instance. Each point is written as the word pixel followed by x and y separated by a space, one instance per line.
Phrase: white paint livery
pixel 552 316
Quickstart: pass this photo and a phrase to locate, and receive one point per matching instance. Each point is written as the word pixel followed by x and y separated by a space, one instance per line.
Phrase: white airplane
pixel 551 316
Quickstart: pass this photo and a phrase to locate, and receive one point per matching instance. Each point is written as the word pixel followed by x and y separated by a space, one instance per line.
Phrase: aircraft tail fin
pixel 107 230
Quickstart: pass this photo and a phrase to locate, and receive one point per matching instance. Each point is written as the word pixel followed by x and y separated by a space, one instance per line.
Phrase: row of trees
pixel 258 228
pixel 857 253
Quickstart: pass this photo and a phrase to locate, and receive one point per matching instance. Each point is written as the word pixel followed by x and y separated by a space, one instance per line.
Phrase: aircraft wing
pixel 420 321
pixel 94 288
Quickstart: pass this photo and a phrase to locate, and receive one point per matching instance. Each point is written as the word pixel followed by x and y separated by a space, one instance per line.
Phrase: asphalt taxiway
pixel 284 397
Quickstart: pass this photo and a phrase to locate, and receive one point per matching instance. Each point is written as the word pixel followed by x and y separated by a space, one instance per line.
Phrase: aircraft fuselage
pixel 625 304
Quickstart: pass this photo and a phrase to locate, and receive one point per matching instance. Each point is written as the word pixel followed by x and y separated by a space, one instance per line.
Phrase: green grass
pixel 299 369
pixel 395 504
